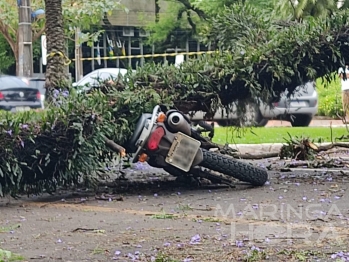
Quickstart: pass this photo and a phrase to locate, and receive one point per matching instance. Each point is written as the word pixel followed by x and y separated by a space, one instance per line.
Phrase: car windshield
pixel 87 79
pixel 93 78
pixel 11 82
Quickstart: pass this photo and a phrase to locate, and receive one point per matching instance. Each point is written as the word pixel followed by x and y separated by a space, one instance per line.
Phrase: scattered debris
pixel 80 229
pixel 108 197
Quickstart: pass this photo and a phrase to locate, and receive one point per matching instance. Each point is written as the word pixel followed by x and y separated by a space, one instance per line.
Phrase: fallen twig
pixel 256 156
pixel 109 198
pixel 115 147
pixel 84 229
pixel 286 237
pixel 330 146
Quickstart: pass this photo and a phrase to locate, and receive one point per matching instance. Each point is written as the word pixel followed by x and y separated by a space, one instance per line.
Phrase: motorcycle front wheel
pixel 229 166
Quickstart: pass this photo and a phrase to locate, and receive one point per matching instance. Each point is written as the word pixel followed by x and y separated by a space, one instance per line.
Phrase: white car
pixel 100 75
pixel 299 109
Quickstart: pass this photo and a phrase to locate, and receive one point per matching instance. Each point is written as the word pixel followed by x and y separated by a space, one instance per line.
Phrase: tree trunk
pixel 157 11
pixel 15 53
pixel 56 77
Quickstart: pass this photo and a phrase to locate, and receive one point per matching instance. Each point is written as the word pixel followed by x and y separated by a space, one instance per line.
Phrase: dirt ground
pixel 299 215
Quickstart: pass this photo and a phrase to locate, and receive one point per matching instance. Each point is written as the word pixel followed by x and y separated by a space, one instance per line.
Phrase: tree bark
pixel 15 53
pixel 157 11
pixel 56 77
pixel 12 41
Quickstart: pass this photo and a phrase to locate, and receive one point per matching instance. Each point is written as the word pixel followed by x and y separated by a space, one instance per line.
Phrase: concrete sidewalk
pixel 315 122
pixel 264 148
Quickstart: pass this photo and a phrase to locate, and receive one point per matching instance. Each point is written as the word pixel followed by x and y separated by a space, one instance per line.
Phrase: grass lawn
pixel 275 134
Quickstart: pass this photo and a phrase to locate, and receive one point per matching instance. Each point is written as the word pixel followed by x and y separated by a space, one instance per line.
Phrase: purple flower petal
pixel 255 248
pixel 117 253
pixel 179 246
pixel 239 243
pixel 195 239
pixel 65 93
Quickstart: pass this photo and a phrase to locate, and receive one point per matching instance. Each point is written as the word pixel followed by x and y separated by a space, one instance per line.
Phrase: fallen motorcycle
pixel 165 139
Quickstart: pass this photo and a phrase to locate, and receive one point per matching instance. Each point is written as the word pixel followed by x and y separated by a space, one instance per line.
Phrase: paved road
pixel 296 216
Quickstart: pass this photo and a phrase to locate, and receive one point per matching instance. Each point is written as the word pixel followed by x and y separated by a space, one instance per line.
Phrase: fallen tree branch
pixel 330 146
pixel 256 156
pixel 115 147
pixel 109 197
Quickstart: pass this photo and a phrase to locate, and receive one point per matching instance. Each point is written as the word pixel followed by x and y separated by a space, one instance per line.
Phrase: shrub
pixel 58 146
pixel 330 98
pixel 62 145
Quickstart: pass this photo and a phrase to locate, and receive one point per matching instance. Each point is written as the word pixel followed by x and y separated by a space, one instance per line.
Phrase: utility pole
pixel 78 53
pixel 25 48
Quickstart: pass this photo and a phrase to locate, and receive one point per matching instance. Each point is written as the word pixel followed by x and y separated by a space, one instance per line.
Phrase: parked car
pixel 39 83
pixel 299 109
pixel 95 77
pixel 16 95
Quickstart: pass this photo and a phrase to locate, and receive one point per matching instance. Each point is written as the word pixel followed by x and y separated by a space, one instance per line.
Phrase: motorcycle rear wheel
pixel 226 165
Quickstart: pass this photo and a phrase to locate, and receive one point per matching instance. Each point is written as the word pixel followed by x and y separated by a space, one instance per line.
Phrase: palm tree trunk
pixel 157 11
pixel 55 69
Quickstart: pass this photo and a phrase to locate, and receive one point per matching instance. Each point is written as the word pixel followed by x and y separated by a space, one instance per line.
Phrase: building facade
pixel 125 36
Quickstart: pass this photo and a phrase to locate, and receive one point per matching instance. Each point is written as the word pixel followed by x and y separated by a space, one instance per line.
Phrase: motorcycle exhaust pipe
pixel 177 123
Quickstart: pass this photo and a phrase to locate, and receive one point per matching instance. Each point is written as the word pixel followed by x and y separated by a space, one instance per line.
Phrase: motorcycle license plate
pixel 182 152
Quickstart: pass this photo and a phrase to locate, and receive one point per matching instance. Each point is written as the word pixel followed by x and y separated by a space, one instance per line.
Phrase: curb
pixel 266 147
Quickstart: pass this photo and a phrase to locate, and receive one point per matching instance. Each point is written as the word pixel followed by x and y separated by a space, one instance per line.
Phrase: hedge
pixel 330 98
